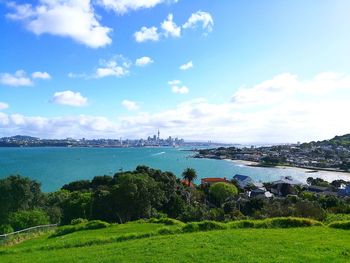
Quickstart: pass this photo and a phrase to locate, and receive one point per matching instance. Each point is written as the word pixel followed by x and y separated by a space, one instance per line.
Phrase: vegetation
pixel 148 193
pixel 207 241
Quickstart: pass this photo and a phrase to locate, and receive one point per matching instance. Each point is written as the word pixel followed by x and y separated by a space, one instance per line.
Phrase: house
pixel 213 180
pixel 344 191
pixel 284 186
pixel 260 193
pixel 243 180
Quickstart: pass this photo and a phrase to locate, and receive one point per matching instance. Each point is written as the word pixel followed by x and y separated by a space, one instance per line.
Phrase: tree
pixel 220 192
pixel 28 218
pixel 18 193
pixel 135 195
pixel 189 174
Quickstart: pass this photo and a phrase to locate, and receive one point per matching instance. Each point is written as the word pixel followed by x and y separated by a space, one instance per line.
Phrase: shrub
pixel 96 224
pixel 340 225
pixel 191 227
pixel 78 221
pixel 222 191
pixel 241 224
pixel 203 226
pixel 166 221
pixel 5 229
pixel 278 222
pixel 28 218
pixel 336 217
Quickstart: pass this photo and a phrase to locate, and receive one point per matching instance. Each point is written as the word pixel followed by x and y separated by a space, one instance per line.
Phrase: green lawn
pixel 308 244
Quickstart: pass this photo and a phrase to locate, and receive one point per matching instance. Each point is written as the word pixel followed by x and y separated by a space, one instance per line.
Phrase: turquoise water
pixel 54 167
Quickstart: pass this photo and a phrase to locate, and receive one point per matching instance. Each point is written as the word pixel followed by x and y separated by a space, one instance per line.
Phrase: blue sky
pixel 257 71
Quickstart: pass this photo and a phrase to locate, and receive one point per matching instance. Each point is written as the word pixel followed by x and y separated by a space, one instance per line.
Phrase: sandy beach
pixel 326 175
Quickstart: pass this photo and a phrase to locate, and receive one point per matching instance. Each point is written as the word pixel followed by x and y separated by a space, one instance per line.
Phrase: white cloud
pixel 130 105
pixel 200 17
pixel 304 110
pixel 123 6
pixel 186 66
pixel 143 61
pixel 41 75
pixel 19 78
pixel 147 34
pixel 170 28
pixel 179 90
pixel 117 66
pixel 70 18
pixel 3 106
pixel 174 82
pixel 70 98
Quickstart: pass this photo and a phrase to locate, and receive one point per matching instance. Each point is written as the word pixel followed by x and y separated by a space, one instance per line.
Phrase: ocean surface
pixel 53 167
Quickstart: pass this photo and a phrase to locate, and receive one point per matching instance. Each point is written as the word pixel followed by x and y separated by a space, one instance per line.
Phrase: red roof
pixel 213 180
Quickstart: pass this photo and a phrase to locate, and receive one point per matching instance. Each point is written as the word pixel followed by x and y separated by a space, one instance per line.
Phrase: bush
pixel 278 222
pixel 241 224
pixel 78 221
pixel 286 222
pixel 165 221
pixel 203 226
pixel 28 218
pixel 5 229
pixel 96 224
pixel 340 225
pixel 168 231
pixel 222 191
pixel 336 217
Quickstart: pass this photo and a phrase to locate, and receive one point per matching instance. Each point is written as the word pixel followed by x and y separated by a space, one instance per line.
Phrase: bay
pixel 53 167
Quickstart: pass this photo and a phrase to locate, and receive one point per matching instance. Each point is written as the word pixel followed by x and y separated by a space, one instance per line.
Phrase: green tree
pixel 28 218
pixel 220 192
pixel 189 174
pixel 18 193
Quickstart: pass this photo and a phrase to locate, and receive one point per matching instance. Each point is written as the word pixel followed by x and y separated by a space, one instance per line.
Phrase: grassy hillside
pixel 136 242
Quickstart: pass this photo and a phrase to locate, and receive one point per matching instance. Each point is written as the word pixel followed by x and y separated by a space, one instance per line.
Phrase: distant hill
pixel 342 140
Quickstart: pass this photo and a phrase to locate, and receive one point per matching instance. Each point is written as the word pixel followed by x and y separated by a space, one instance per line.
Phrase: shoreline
pixel 310 171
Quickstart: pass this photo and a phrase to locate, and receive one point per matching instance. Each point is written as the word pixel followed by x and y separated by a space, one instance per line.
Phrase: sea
pixel 55 166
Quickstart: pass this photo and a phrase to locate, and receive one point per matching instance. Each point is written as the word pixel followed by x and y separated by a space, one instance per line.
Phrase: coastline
pixel 311 171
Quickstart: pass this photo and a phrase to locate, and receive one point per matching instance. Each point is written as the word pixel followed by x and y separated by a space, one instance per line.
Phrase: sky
pixel 226 71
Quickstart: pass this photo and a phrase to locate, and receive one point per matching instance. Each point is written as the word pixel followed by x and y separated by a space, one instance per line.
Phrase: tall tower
pixel 158 135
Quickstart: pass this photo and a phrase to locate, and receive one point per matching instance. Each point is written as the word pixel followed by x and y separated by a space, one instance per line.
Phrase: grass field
pixel 307 244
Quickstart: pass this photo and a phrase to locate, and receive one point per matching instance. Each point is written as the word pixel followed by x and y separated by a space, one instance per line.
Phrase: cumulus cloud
pixel 117 66
pixel 70 98
pixel 174 82
pixel 186 66
pixel 130 105
pixel 124 6
pixel 19 78
pixel 147 34
pixel 143 61
pixel 71 18
pixel 304 109
pixel 200 17
pixel 3 106
pixel 177 88
pixel 41 75
pixel 170 28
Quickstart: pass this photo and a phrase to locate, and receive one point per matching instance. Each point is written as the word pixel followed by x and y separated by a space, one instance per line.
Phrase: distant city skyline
pixel 228 71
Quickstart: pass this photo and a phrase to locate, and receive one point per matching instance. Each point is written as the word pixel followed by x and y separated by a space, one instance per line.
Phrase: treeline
pixel 146 193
